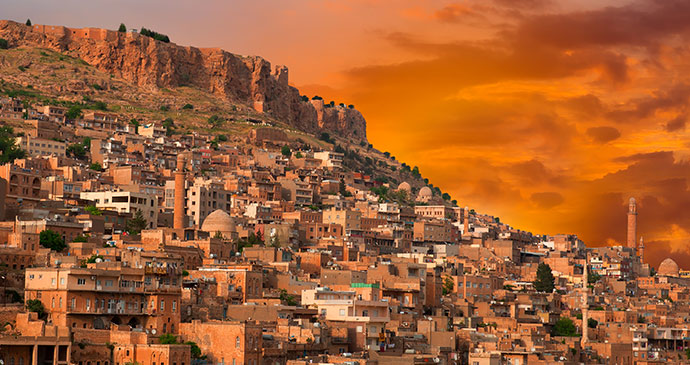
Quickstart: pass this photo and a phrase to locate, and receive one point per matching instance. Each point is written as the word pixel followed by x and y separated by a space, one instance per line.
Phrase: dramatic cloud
pixel 603 134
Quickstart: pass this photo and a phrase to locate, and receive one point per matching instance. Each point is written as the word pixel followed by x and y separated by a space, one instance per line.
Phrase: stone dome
pixel 404 186
pixel 425 194
pixel 218 221
pixel 668 267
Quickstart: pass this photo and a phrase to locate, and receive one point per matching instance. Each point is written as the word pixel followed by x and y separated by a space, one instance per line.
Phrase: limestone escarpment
pixel 146 62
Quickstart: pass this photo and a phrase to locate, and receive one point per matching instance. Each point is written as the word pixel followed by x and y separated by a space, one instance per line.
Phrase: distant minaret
pixel 466 221
pixel 632 223
pixel 640 250
pixel 585 307
pixel 178 206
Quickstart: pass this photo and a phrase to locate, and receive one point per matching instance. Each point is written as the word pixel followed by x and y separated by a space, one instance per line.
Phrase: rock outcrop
pixel 149 63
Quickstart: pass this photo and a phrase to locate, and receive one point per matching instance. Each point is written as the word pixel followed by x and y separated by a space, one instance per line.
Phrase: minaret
pixel 466 221
pixel 178 209
pixel 640 250
pixel 632 223
pixel 585 306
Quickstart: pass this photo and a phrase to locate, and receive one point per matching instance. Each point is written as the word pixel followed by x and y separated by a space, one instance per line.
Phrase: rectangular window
pixel 174 305
pixel 81 281
pixel 162 305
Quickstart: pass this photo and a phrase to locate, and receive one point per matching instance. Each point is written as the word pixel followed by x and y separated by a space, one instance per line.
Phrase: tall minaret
pixel 178 208
pixel 640 250
pixel 466 221
pixel 585 306
pixel 632 223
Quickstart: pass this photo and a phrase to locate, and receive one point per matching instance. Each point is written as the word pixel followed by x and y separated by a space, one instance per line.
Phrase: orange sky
pixel 549 114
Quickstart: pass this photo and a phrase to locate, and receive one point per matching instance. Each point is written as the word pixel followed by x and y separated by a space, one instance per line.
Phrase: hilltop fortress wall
pixel 143 61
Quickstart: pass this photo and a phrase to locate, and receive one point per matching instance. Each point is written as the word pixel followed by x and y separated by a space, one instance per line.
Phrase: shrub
pixel 122 28
pixel 164 108
pixel 28 22
pixel 188 106
pixel 215 121
pixel 3 43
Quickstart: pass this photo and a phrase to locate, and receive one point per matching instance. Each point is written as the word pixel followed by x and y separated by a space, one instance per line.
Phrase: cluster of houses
pixel 175 249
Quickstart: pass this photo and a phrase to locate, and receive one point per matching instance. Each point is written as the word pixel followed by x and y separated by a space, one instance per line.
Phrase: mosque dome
pixel 425 192
pixel 404 186
pixel 218 221
pixel 668 267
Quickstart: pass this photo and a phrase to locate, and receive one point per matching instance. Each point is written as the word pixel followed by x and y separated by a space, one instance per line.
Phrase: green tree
pixel 285 150
pixel 35 305
pixel 545 280
pixel 167 339
pixel 76 150
pixel 287 298
pixel 169 126
pixel 93 210
pixel 136 224
pixel 565 327
pixel 93 259
pixel 445 196
pixel 187 106
pixel 52 240
pixel 592 323
pixel 3 43
pixel 448 285
pixel 8 146
pixel 195 350
pixel 593 277
pixel 81 238
pixel 136 124
pixel 415 172
pixel 96 166
pixel 74 112
pixel 215 121
pixel 28 22
pixel 122 28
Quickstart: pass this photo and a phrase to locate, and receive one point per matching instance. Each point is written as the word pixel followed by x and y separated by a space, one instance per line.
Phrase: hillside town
pixel 125 244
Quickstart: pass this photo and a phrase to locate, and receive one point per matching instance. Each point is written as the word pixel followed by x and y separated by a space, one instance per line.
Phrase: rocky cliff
pixel 146 62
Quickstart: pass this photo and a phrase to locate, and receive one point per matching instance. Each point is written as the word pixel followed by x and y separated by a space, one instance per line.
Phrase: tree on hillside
pixel 285 150
pixel 545 280
pixel 76 150
pixel 215 121
pixel 28 22
pixel 52 240
pixel 8 146
pixel 3 43
pixel 123 28
pixel 136 224
pixel 136 124
pixel 74 112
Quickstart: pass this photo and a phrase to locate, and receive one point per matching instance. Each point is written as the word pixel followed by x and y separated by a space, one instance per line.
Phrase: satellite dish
pixel 153 331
